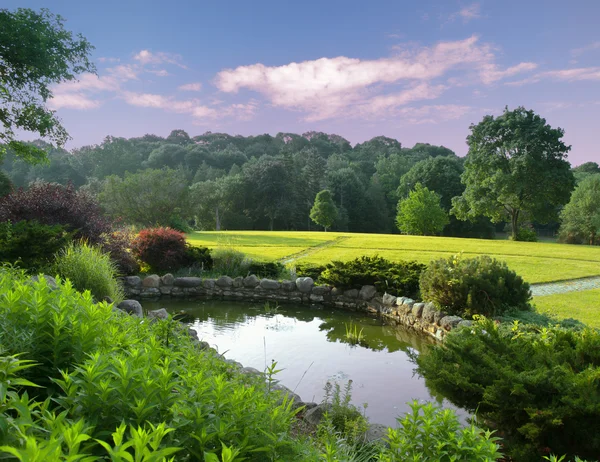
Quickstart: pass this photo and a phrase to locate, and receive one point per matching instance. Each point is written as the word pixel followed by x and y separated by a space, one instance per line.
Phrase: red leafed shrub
pixel 163 249
pixel 118 245
pixel 54 204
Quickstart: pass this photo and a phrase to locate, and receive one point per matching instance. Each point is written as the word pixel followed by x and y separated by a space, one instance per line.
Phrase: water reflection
pixel 310 345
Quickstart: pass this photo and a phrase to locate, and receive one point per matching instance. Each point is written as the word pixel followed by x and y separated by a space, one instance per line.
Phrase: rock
pixel 208 284
pixel 132 281
pixel 167 280
pixel 315 415
pixel 316 298
pixel 367 292
pixel 251 371
pixel 187 282
pixel 389 299
pixel 429 311
pixel 465 323
pixel 288 286
pixel 251 281
pixel 408 302
pixel 417 309
pixel 238 282
pixel 50 281
pixel 131 307
pixel 151 282
pixel 437 316
pixel 321 290
pixel 166 290
pixel 107 299
pixel 375 432
pixel 158 314
pixel 289 393
pixel 352 293
pixel 336 292
pixel 224 282
pixel 150 292
pixel 305 284
pixel 450 322
pixel 269 284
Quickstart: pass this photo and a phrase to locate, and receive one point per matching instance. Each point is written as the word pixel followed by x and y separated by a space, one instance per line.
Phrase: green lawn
pixel 535 261
pixel 583 305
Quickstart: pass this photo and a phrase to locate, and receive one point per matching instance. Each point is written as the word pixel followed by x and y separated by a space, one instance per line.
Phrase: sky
pixel 416 71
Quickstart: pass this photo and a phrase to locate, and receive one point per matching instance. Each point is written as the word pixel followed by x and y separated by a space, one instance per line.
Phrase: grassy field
pixel 534 261
pixel 584 306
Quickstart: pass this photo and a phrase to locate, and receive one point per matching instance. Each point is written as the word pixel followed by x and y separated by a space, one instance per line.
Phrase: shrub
pixel 118 245
pixel 163 249
pixel 230 262
pixel 88 268
pixel 54 204
pixel 538 385
pixel 526 234
pixel 397 278
pixel 469 286
pixel 31 245
pixel 270 269
pixel 199 257
pixel 309 270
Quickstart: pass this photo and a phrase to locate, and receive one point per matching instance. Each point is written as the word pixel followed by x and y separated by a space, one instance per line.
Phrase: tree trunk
pixel 218 219
pixel 325 228
pixel 271 219
pixel 514 221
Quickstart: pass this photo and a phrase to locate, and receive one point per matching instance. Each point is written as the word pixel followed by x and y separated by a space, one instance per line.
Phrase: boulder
pixel 335 292
pixel 288 286
pixel 238 282
pixel 269 284
pixel 167 279
pixel 305 284
pixel 375 432
pixel 251 371
pixel 388 299
pixel 429 311
pixel 224 282
pixel 417 309
pixel 132 281
pixel 289 393
pixel 320 290
pixel 437 317
pixel 131 307
pixel 465 323
pixel 409 302
pixel 352 293
pixel 187 282
pixel 367 292
pixel 151 282
pixel 208 284
pixel 315 415
pixel 450 322
pixel 158 314
pixel 316 298
pixel 251 281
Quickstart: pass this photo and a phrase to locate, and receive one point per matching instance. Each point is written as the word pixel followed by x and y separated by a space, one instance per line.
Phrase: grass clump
pixel 88 268
pixel 230 262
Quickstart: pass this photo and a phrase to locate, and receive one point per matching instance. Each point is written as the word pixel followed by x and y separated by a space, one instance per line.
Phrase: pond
pixel 310 346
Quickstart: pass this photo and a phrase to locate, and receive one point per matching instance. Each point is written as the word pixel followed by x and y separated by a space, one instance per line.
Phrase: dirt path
pixel 561 287
pixel 306 252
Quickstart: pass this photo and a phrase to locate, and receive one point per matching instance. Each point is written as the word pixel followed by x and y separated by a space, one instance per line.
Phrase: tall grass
pixel 88 268
pixel 230 262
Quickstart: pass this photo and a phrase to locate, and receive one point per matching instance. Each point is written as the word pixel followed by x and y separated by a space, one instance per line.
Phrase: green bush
pixel 397 278
pixel 88 268
pixel 309 270
pixel 230 262
pixel 270 269
pixel 527 234
pixel 469 286
pixel 31 245
pixel 539 386
pixel 199 257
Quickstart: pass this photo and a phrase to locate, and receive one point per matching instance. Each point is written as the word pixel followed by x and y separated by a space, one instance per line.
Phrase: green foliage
pixel 397 278
pixel 309 270
pixel 88 268
pixel 431 434
pixel 324 211
pixel 31 245
pixel 354 336
pixel 536 384
pixel 421 213
pixel 230 262
pixel 199 257
pixel 6 185
pixel 581 216
pixel 344 416
pixel 525 234
pixel 517 164
pixel 271 269
pixel 36 52
pixel 470 286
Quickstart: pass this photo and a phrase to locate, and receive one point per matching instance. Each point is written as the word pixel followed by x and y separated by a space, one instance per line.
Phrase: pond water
pixel 310 346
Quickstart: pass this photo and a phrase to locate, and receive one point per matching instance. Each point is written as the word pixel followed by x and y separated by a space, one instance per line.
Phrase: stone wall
pixel 422 317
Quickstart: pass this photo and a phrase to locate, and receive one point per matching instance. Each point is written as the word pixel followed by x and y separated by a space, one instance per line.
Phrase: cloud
pixel 564 75
pixel 591 47
pixel 76 94
pixel 326 87
pixel 468 13
pixel 72 101
pixel 160 72
pixel 196 86
pixel 159 57
pixel 124 72
pixel 104 59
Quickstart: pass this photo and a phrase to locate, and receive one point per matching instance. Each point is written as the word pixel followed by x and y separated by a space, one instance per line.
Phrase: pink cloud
pixel 195 86
pixel 73 101
pixel 159 57
pixel 468 13
pixel 564 75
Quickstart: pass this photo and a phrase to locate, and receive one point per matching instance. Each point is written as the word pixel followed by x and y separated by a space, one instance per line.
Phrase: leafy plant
pixel 309 270
pixel 162 249
pixel 31 245
pixel 230 262
pixel 345 417
pixel 88 268
pixel 470 286
pixel 271 269
pixel 398 278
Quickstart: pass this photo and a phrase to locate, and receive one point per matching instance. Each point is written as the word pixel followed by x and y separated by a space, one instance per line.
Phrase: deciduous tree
pixel 581 216
pixel 324 212
pixel 421 213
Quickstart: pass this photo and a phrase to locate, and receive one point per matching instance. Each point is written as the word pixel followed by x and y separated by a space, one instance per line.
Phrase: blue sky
pixel 417 71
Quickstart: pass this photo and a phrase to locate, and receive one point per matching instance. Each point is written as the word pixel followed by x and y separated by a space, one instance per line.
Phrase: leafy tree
pixel 516 166
pixel 148 198
pixel 324 212
pixel 5 184
pixel 581 216
pixel 35 53
pixel 420 213
pixel 586 169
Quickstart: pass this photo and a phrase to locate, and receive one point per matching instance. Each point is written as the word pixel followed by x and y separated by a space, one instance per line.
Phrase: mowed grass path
pixel 583 305
pixel 536 262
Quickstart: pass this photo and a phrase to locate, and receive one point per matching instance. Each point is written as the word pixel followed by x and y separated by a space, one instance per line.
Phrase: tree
pixel 421 213
pixel 324 212
pixel 35 53
pixel 581 216
pixel 584 170
pixel 516 166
